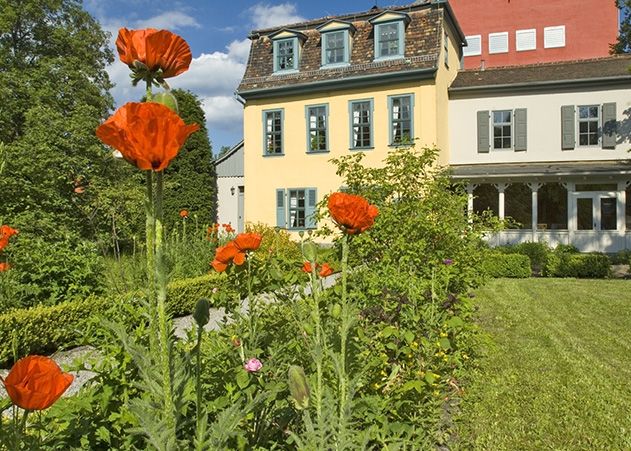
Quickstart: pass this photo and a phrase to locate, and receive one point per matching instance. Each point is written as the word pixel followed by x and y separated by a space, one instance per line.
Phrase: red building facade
pixel 516 32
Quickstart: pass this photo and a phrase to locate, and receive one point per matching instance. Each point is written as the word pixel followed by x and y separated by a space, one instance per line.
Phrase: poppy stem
pixel 343 326
pixel 163 320
pixel 150 232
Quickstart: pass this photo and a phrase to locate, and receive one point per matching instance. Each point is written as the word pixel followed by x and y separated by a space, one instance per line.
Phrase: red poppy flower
pixel 4 267
pixel 6 232
pixel 148 135
pixel 325 270
pixel 183 213
pixel 306 267
pixel 224 255
pixel 36 382
pixel 352 213
pixel 156 49
pixel 248 241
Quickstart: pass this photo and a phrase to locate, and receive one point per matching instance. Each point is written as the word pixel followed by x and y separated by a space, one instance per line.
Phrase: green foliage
pixel 190 178
pixel 43 329
pixel 537 252
pixel 507 265
pixel 48 271
pixel 621 258
pixel 623 44
pixel 568 264
pixel 422 218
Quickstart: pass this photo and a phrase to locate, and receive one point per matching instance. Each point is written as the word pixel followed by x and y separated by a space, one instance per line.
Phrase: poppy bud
pixel 309 250
pixel 298 387
pixel 167 99
pixel 308 328
pixel 202 312
pixel 336 310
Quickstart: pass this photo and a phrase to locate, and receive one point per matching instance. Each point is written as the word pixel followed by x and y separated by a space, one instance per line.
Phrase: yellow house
pixel 321 89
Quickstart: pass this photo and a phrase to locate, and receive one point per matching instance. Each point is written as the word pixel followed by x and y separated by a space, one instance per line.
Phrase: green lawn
pixel 557 373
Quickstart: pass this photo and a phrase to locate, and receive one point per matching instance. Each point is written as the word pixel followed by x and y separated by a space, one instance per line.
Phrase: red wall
pixel 590 26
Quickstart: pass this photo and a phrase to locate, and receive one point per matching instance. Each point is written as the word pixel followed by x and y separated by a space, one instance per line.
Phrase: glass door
pixel 585 217
pixel 596 211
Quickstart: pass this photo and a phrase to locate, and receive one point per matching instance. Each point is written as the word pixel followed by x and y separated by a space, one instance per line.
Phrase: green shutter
pixel 281 217
pixel 484 142
pixel 521 129
pixel 609 126
pixel 568 127
pixel 312 200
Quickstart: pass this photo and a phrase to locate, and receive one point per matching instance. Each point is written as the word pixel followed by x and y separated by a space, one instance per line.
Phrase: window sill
pixel 308 152
pixel 285 72
pixel 389 58
pixel 274 154
pixel 334 66
pixel 360 149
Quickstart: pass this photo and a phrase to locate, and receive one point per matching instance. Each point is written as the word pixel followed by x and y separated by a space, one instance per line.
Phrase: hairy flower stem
pixel 315 292
pixel 163 320
pixel 150 228
pixel 198 379
pixel 251 307
pixel 343 326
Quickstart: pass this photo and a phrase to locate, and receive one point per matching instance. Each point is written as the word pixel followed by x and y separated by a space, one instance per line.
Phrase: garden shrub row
pixel 43 329
pixel 507 265
pixel 562 261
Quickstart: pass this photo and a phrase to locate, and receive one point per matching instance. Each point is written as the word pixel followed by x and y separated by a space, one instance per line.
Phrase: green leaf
pixel 412 385
pixel 243 379
pixel 455 322
pixel 445 343
pixel 389 331
pixel 408 336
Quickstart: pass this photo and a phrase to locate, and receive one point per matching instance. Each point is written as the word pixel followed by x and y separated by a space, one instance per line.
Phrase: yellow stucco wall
pixel 299 169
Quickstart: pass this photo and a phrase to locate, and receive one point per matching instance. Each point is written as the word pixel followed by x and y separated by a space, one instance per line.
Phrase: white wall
pixel 226 202
pixel 544 127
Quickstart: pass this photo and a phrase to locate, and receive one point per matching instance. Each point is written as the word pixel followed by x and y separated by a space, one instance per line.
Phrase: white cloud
pixel 168 20
pixel 223 113
pixel 264 15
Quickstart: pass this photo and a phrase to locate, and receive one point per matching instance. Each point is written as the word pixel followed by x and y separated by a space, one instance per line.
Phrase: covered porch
pixel 584 204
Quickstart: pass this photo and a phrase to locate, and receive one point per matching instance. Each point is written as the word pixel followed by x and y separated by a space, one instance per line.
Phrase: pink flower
pixel 253 365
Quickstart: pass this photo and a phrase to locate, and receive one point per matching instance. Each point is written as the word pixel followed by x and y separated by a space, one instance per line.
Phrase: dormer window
pixel 389 32
pixel 336 43
pixel 286 50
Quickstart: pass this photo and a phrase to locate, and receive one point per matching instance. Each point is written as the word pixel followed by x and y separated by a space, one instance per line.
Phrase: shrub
pixel 536 252
pixel 46 328
pixel 621 258
pixel 564 264
pixel 507 265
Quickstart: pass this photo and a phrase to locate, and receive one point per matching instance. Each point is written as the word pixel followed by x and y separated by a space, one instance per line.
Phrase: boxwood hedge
pixel 507 265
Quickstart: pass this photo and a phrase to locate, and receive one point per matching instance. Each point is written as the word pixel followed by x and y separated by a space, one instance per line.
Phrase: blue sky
pixel 217 33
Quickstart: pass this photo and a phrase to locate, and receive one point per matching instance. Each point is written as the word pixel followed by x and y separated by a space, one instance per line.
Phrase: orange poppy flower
pixel 6 232
pixel 352 213
pixel 325 270
pixel 156 49
pixel 148 135
pixel 248 241
pixel 226 254
pixel 306 267
pixel 36 382
pixel 183 213
pixel 4 266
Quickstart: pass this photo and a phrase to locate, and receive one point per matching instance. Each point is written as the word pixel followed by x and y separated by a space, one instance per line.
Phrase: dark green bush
pixel 537 252
pixel 564 264
pixel 621 257
pixel 507 265
pixel 43 329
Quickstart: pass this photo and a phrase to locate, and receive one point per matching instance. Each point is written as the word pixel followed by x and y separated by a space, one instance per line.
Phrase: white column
pixel 470 188
pixel 500 192
pixel 621 198
pixel 534 187
pixel 571 211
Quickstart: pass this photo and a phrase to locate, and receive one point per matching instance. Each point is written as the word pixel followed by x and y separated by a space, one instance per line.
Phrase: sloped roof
pixel 422 47
pixel 540 169
pixel 601 69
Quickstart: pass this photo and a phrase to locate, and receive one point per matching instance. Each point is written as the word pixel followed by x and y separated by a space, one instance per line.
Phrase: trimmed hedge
pixel 563 264
pixel 507 265
pixel 43 329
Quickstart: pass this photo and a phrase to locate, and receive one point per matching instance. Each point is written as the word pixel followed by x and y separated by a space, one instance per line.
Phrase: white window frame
pixel 546 37
pixel 503 34
pixel 467 52
pixel 522 47
pixel 503 124
pixel 598 121
pixel 269 136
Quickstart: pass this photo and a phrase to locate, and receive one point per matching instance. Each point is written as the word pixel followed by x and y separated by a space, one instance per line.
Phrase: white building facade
pixel 231 188
pixel 546 147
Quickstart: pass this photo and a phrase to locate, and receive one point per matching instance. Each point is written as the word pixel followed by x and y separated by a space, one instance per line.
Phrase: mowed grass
pixel 557 373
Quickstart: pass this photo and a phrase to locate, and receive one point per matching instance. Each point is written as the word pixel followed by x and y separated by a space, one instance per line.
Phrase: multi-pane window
pixel 273 143
pixel 446 48
pixel 400 119
pixel 317 128
pixel 285 54
pixel 334 47
pixel 297 209
pixel 361 124
pixel 588 122
pixel 502 129
pixel 389 37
